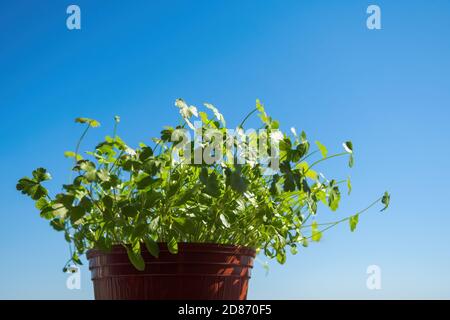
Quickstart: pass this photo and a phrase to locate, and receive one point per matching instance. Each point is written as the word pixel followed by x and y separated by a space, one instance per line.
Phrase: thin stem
pixel 332 224
pixel 309 155
pixel 326 158
pixel 247 116
pixel 78 148
pixel 79 141
pixel 115 129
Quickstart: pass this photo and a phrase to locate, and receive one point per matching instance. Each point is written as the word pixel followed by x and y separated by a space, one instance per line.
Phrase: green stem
pixel 78 148
pixel 115 129
pixel 79 141
pixel 247 116
pixel 326 158
pixel 332 224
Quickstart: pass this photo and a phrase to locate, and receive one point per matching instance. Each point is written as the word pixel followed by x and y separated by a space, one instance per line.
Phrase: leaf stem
pixel 247 116
pixel 79 141
pixel 332 224
pixel 326 158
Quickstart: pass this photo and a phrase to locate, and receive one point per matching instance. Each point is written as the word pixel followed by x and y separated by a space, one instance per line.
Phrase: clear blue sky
pixel 314 64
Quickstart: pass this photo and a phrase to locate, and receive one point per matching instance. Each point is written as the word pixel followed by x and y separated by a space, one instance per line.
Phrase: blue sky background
pixel 315 66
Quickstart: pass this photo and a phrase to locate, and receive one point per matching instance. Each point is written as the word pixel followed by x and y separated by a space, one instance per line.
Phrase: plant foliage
pixel 139 197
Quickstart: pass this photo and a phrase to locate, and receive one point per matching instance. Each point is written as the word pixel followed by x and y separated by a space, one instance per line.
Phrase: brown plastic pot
pixel 199 271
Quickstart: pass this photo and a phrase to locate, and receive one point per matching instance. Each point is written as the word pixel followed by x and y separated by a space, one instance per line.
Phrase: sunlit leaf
pixel 40 175
pixel 76 213
pixel 349 186
pixel 172 245
pixel 386 200
pixel 333 198
pixel 129 211
pixel 316 234
pixel 92 123
pixel 351 161
pixel 152 246
pixel 348 146
pixel 224 221
pixel 134 254
pixel 353 221
pixel 31 188
pixel 322 148
pixel 216 112
pixel 71 154
pixel 238 183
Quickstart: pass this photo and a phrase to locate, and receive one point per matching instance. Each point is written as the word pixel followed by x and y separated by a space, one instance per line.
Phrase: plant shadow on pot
pixel 199 271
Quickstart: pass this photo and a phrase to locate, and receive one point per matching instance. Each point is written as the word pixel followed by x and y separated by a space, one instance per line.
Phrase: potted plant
pixel 185 217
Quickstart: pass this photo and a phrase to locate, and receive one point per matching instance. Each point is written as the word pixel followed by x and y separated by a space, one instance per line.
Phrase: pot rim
pixel 187 247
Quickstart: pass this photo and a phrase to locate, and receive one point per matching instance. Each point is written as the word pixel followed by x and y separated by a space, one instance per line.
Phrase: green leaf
pixel 274 125
pixel 92 123
pixel 333 198
pixel 238 184
pixel 309 173
pixel 86 203
pixel 129 211
pixel 294 250
pixel 224 221
pixel 55 210
pixel 262 113
pixel 289 183
pixel 166 134
pixel 76 213
pixel 217 114
pixel 185 196
pixel 353 221
pixel 203 117
pixel 87 165
pixel 259 106
pixel 48 213
pixel 348 146
pixel 108 202
pixel 71 154
pixel 385 200
pixel 31 188
pixel 274 187
pixel 323 149
pixel 76 259
pixel 103 174
pixel 152 246
pixel 212 185
pixel 134 254
pixel 303 136
pixel 281 257
pixel 184 226
pixel 65 199
pixel 316 234
pixel 146 153
pixel 41 174
pixel 144 182
pixel 349 186
pixel 172 245
pixel 57 224
pixel 41 204
pixel 351 161
pixel 305 242
pixel 204 175
pixel 302 148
